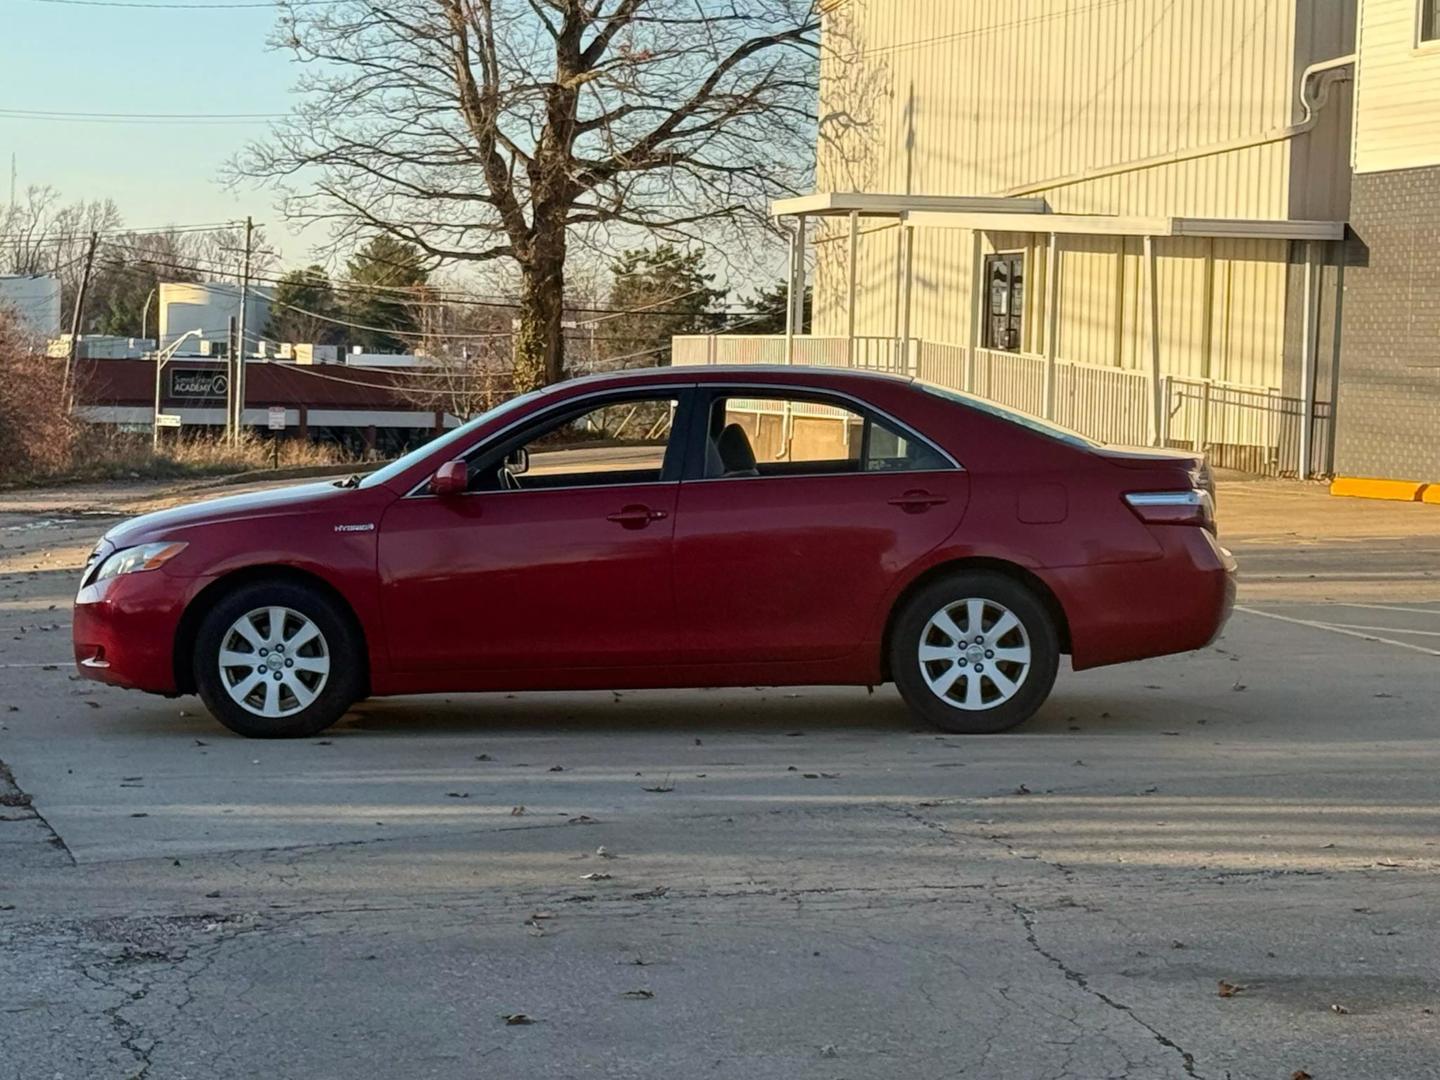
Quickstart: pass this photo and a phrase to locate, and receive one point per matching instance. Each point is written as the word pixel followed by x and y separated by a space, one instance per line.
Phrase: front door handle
pixel 917 502
pixel 636 516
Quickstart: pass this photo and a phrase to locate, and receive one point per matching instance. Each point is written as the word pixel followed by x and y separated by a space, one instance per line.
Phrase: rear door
pixel 789 559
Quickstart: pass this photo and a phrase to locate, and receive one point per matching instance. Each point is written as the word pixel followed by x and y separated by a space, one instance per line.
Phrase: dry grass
pixel 40 443
pixel 102 453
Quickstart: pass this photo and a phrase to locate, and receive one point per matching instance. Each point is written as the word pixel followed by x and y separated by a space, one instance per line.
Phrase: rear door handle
pixel 917 502
pixel 636 516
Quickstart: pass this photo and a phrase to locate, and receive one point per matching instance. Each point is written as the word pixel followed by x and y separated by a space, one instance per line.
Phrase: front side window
pixel 1429 20
pixel 623 441
pixel 805 436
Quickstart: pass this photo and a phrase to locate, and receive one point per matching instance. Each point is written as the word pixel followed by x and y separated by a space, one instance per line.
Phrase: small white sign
pixel 277 417
pixel 167 419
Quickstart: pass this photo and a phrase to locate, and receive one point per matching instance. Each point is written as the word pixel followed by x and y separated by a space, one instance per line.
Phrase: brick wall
pixel 1389 409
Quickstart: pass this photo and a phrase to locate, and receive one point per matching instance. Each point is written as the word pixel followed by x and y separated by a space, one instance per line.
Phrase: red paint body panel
pixel 769 580
pixel 523 579
pixel 797 568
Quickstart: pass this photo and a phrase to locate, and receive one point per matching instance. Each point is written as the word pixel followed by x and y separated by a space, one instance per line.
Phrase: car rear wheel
pixel 278 660
pixel 974 653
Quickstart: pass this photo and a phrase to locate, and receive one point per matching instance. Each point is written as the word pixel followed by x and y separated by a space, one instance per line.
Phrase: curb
pixel 1359 487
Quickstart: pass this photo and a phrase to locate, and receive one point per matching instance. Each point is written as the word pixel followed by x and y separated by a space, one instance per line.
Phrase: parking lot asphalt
pixel 1214 865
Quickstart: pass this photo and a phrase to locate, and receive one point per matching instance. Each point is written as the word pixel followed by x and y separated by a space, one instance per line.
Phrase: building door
pixel 1005 275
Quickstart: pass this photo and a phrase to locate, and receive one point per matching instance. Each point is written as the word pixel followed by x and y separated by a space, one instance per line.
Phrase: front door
pixel 559 556
pixel 806 512
pixel 1005 278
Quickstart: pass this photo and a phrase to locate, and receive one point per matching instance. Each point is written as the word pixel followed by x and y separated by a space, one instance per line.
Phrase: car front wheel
pixel 278 660
pixel 974 653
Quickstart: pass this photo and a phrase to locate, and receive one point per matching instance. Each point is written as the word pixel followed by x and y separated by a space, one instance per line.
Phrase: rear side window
pixel 1015 416
pixel 807 436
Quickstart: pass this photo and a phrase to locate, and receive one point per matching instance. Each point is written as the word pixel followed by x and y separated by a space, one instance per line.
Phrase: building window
pixel 1429 20
pixel 1005 274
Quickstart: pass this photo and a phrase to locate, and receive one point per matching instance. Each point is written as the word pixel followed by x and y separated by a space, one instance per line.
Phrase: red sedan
pixel 675 527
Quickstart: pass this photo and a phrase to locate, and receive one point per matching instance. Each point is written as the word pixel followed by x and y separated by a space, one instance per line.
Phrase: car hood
pixel 256 504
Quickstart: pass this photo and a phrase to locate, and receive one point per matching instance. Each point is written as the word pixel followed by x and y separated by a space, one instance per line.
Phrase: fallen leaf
pixel 651 894
pixel 517 811
pixel 581 819
pixel 638 995
pixel 1229 989
pixel 1340 1009
pixel 1022 790
pixel 457 794
pixel 557 768
pixel 516 1018
pixel 1301 1074
pixel 93 704
pixel 661 789
pixel 594 876
pixel 1238 686
pixel 600 851
pixel 483 757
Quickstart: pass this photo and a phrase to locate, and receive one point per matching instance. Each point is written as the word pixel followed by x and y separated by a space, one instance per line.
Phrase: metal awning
pixel 842 203
pixel 1120 225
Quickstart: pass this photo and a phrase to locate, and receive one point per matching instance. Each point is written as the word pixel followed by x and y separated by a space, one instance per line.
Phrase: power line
pixel 54 116
pixel 225 5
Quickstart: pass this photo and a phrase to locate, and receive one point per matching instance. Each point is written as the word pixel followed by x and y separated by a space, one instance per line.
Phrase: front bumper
pixel 124 630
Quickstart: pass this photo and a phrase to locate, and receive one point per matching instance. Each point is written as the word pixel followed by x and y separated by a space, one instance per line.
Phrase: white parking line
pixel 1338 630
pixel 1391 607
pixel 43 664
pixel 1387 629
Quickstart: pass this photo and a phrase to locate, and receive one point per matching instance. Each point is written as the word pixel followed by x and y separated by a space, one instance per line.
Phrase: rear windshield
pixel 1015 416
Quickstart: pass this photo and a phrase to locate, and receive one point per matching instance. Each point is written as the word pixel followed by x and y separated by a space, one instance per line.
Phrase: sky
pixel 80 58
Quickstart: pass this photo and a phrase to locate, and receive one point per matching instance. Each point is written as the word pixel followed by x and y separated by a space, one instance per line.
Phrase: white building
pixel 36 299
pixel 207 308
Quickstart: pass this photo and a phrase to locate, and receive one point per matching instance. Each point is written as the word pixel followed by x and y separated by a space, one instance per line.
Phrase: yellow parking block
pixel 1359 487
pixel 1431 494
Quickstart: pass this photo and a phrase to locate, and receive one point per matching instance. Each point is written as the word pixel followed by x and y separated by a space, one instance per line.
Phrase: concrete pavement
pixel 792 883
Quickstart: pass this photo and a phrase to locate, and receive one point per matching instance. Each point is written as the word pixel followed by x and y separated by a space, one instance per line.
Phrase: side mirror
pixel 452 478
pixel 517 462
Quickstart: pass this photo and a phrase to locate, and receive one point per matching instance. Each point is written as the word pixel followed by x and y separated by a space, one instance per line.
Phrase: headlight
pixel 144 557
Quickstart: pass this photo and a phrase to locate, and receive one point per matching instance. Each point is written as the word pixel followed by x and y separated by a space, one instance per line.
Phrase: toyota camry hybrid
pixel 675 527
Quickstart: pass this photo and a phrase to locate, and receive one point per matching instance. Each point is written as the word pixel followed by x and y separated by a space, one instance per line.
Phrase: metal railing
pixel 1250 428
pixel 871 353
pixel 1254 429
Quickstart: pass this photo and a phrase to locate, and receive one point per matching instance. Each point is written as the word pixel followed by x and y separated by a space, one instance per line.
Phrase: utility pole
pixel 240 336
pixel 67 386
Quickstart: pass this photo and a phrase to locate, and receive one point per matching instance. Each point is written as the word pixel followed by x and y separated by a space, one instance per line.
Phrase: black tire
pixel 342 687
pixel 1037 629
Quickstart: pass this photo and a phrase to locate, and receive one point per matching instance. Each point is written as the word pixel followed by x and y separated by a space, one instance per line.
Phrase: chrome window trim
pixel 865 406
pixel 777 389
pixel 824 475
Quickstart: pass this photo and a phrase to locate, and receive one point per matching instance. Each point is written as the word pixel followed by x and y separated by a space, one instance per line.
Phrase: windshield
pixel 1015 416
pixel 450 438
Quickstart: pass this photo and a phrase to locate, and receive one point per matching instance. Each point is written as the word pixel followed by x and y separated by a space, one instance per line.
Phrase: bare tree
pixel 506 129
pixel 41 235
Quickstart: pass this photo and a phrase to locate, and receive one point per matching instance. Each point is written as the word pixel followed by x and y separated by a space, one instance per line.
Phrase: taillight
pixel 1192 507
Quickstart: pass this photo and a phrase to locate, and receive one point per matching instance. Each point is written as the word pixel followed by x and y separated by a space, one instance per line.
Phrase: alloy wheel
pixel 274 661
pixel 974 654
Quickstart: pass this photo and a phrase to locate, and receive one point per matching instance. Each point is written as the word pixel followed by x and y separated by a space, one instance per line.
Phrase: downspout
pixel 1312 106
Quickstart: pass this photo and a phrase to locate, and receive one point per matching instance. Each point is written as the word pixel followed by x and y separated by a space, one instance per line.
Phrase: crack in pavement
pixel 1027 919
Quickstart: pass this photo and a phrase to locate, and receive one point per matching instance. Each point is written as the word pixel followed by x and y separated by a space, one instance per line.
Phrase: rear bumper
pixel 124 631
pixel 1131 611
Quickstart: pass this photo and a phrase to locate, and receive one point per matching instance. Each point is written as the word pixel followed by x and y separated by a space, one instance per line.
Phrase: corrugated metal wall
pixel 943 97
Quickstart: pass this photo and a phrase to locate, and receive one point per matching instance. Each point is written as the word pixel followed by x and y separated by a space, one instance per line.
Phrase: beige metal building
pixel 1129 215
